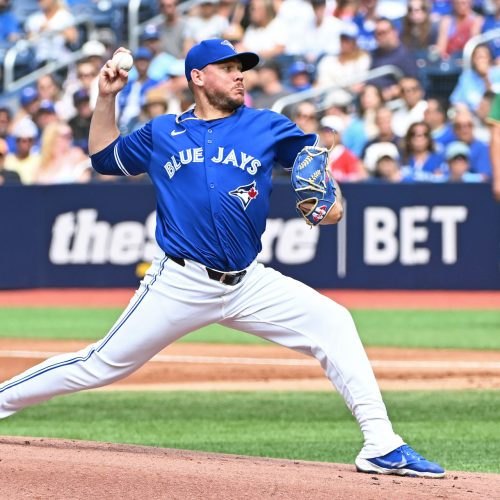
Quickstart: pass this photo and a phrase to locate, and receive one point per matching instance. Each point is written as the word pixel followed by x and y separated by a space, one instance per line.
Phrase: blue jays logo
pixel 228 43
pixel 245 193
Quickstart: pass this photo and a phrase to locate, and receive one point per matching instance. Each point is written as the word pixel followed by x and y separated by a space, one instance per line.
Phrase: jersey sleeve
pixel 129 155
pixel 289 139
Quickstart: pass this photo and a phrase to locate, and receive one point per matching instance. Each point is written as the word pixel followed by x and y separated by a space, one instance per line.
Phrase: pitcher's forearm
pixel 103 129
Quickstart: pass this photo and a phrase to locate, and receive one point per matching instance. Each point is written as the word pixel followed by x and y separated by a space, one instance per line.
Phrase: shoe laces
pixel 411 453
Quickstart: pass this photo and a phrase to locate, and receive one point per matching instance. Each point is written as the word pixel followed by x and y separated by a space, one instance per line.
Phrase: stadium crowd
pixel 430 121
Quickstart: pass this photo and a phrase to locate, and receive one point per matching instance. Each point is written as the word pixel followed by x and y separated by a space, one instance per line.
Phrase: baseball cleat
pixel 403 461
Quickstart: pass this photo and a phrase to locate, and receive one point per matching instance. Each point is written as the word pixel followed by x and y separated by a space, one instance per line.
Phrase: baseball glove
pixel 314 190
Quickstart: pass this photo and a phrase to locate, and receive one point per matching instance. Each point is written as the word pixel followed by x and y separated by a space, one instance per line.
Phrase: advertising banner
pixel 392 237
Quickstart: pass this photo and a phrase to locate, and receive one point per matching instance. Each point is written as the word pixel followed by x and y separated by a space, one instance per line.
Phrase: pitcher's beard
pixel 223 102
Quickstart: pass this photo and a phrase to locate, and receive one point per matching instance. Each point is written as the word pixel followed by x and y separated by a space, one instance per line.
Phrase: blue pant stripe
pixel 92 351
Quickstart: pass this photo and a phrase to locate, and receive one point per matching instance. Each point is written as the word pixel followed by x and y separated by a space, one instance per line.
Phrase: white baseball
pixel 123 60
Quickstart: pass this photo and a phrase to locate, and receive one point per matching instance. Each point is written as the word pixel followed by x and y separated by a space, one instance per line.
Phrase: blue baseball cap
pixel 28 95
pixel 216 50
pixel 143 53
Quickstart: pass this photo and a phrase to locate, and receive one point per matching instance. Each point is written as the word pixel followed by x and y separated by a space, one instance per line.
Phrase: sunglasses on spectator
pixel 85 75
pixel 419 134
pixel 410 89
pixel 463 125
pixel 382 32
pixel 305 116
pixel 24 139
pixel 416 9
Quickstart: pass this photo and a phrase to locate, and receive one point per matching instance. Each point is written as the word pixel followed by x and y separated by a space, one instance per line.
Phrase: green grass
pixel 459 430
pixel 405 328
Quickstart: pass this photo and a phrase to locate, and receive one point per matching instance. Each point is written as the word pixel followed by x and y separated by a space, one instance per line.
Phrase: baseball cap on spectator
pixel 25 129
pixel 155 96
pixel 28 95
pixel 150 33
pixel 457 149
pixel 300 67
pixel 143 53
pixel 81 95
pixel 349 30
pixel 4 148
pixel 377 151
pixel 332 123
pixel 46 106
pixel 216 50
pixel 93 48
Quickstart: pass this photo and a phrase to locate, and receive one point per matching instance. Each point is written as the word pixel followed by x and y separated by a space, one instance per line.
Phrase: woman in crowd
pixel 457 29
pixel 473 83
pixel 60 161
pixel 421 162
pixel 419 32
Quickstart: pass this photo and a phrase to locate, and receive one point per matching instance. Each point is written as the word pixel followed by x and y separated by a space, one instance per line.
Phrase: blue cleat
pixel 403 461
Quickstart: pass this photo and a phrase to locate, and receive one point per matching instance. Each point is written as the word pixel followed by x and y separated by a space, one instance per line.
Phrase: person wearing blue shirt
pixel 422 163
pixel 10 29
pixel 474 82
pixel 212 171
pixel 463 128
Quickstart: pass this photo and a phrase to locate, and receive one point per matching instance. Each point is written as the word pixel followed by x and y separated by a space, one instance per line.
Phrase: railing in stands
pixel 314 93
pixel 11 84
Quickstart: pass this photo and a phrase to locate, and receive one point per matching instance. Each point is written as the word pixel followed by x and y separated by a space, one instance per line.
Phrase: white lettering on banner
pixel 79 238
pixel 382 246
pixel 295 243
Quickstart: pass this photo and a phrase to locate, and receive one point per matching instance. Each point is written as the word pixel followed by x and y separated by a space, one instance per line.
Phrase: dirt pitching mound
pixel 50 468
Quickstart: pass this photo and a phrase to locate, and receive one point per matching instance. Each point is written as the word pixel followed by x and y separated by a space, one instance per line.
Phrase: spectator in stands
pixel 25 160
pixel 351 63
pixel 343 164
pixel 360 127
pixel 10 30
pixel 463 127
pixel 61 162
pixel 413 107
pixel 422 162
pixel 458 166
pixel 269 88
pixel 96 53
pixel 265 35
pixel 456 29
pixel 205 23
pixel 86 79
pixel 435 115
pixel 6 176
pixel 383 122
pixel 80 123
pixel 390 51
pixel 300 76
pixel 29 101
pixel 375 153
pixel 5 126
pixel 366 19
pixel 49 89
pixel 474 82
pixel 492 22
pixel 482 129
pixel 172 29
pixel 161 61
pixel 387 167
pixel 45 114
pixel 297 16
pixel 132 95
pixel 324 36
pixel 56 22
pixel 419 30
pixel 306 117
pixel 154 103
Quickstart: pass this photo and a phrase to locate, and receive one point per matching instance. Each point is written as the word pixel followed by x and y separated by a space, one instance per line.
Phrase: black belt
pixel 230 279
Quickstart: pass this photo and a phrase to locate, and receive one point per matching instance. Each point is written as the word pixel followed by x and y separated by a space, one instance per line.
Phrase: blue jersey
pixel 213 179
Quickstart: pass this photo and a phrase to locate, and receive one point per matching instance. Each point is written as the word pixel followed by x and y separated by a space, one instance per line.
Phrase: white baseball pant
pixel 173 300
